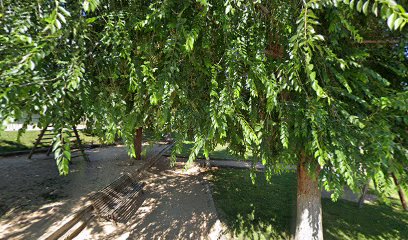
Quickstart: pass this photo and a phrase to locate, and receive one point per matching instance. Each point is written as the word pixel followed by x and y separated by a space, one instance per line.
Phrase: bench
pixel 118 198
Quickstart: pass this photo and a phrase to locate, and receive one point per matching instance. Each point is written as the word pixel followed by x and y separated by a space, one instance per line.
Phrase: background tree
pixel 289 82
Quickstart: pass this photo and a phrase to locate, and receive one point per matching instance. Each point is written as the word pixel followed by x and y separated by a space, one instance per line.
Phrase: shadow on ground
pixel 344 220
pixel 175 206
pixel 9 146
pixel 267 211
pixel 255 211
pixel 34 198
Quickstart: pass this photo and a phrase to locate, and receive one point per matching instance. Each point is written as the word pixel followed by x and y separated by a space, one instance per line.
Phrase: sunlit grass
pixel 9 143
pixel 220 152
pixel 267 210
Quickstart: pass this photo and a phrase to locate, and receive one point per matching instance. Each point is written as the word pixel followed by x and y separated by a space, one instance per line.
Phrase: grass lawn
pixel 220 152
pixel 267 210
pixel 9 143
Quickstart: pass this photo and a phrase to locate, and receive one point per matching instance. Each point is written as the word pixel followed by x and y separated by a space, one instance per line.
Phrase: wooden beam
pixel 400 193
pixel 70 223
pixel 138 143
pixel 80 143
pixel 37 141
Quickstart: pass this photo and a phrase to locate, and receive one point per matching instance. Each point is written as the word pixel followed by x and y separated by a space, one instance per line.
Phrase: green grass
pixel 9 143
pixel 220 152
pixel 267 210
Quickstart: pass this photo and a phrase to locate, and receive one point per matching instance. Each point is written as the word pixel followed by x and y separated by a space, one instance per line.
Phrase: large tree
pixel 321 85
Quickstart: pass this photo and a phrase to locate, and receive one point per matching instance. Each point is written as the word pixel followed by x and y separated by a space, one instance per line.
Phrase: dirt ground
pixel 34 198
pixel 177 204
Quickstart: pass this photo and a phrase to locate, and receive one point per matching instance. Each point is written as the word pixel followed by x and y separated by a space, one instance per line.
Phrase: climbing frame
pixel 46 136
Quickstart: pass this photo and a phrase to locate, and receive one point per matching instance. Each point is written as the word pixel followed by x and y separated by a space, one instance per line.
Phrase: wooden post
pixel 37 141
pixel 79 143
pixel 49 150
pixel 138 143
pixel 364 192
pixel 400 193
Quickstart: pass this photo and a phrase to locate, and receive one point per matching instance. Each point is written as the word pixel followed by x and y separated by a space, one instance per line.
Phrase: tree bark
pixel 363 194
pixel 400 193
pixel 138 143
pixel 309 206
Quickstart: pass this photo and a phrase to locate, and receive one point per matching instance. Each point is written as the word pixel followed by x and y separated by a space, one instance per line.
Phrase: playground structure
pixel 46 138
pixel 116 202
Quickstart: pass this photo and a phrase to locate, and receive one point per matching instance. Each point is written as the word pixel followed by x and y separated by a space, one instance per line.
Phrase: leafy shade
pixel 274 79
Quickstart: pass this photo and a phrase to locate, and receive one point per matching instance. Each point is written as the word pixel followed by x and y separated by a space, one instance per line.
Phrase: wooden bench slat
pixel 117 198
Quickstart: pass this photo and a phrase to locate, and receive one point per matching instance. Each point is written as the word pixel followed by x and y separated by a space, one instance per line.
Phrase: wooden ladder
pixel 46 138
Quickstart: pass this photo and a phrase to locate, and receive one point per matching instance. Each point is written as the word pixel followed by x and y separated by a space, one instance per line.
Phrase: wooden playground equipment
pixel 116 202
pixel 46 138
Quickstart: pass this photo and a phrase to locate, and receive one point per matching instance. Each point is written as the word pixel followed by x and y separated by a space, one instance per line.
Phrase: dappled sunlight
pixel 177 211
pixel 35 200
pixel 252 211
pixel 343 219
pixel 33 223
pixel 175 206
pixel 268 210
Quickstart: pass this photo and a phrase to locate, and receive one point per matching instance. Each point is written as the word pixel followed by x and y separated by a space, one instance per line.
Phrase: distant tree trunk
pixel 363 194
pixel 375 184
pixel 309 206
pixel 400 193
pixel 138 143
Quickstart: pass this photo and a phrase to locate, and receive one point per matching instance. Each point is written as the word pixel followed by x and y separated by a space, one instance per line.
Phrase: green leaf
pixel 191 37
pixel 228 9
pixel 203 2
pixel 91 20
pixel 365 7
pixel 398 23
pixel 284 134
pixel 312 76
pixel 375 8
pixel 64 11
pixel 318 37
pixel 359 5
pixel 67 154
pixel 61 17
pixel 85 5
pixel 352 4
pixel 57 23
pixel 402 25
pixel 32 65
pixel 391 20
pixel 56 145
pixel 57 152
pixel 190 43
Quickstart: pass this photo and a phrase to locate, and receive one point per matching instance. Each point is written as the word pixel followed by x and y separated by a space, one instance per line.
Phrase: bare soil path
pixel 34 198
pixel 177 204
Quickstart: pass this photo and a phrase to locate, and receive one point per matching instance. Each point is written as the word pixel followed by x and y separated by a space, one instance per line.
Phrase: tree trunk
pixel 363 194
pixel 309 206
pixel 400 193
pixel 138 143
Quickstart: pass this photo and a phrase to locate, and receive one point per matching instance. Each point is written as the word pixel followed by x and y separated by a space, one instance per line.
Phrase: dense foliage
pixel 275 79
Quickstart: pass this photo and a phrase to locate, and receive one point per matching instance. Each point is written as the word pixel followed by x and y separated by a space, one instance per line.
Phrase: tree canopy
pixel 271 78
pixel 274 79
